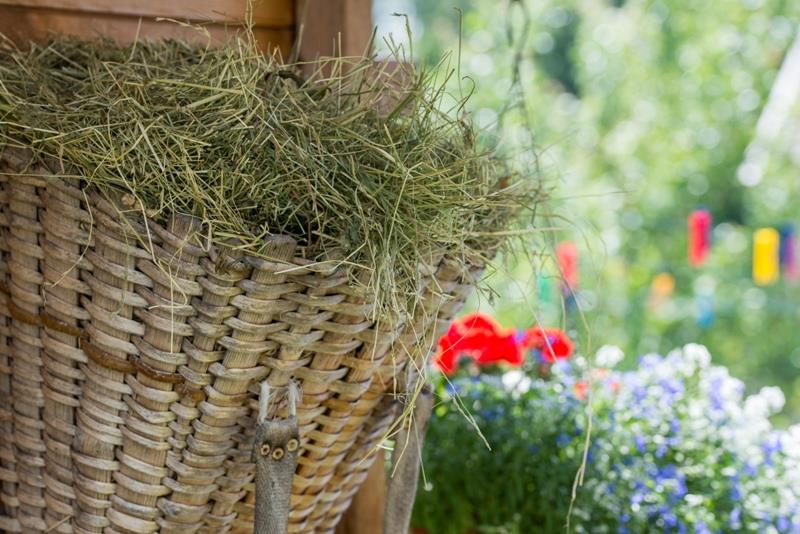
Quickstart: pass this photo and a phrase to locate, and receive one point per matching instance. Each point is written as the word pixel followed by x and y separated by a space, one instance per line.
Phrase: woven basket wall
pixel 129 374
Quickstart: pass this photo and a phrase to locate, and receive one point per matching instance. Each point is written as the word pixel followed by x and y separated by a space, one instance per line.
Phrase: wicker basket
pixel 129 377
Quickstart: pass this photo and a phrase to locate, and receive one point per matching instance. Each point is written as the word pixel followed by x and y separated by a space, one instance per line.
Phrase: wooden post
pixel 365 515
pixel 333 27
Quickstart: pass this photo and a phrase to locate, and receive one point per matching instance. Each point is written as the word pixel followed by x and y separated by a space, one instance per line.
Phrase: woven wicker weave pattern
pixel 131 355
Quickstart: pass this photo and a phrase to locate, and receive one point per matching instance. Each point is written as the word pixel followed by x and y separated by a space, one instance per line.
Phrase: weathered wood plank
pixel 24 24
pixel 270 13
pixel 365 515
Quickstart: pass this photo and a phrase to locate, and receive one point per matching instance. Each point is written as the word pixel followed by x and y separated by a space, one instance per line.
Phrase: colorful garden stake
pixel 567 257
pixel 766 256
pixel 545 288
pixel 661 289
pixel 788 253
pixel 699 223
pixel 704 313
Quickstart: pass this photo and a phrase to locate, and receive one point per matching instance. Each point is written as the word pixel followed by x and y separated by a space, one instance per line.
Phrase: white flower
pixel 608 356
pixel 516 381
pixel 774 398
pixel 756 406
pixel 694 500
pixel 793 441
pixel 697 354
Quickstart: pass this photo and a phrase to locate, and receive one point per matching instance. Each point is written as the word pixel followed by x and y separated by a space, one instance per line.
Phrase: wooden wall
pixel 124 20
pixel 326 26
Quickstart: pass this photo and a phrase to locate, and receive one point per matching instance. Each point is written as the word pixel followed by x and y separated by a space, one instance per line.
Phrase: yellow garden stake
pixel 766 256
pixel 661 289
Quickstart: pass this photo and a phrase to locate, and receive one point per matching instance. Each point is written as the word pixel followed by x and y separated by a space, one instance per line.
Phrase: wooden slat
pixel 365 515
pixel 24 24
pixel 271 13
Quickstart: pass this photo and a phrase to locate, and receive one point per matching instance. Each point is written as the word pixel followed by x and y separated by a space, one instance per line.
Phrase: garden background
pixel 640 111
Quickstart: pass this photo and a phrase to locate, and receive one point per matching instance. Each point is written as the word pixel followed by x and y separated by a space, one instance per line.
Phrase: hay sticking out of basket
pixel 245 144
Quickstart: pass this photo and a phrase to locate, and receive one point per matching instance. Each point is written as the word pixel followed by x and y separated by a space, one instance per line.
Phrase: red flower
pixel 581 388
pixel 614 385
pixel 480 337
pixel 552 342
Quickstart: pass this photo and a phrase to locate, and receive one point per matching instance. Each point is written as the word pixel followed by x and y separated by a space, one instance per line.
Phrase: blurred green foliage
pixel 640 111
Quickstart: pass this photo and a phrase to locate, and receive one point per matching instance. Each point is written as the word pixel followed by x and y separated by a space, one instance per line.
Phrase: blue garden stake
pixel 545 288
pixel 788 253
pixel 704 315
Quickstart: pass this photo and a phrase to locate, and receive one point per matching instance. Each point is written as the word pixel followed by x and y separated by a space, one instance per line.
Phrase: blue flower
pixel 639 493
pixel 750 469
pixel 735 520
pixel 701 528
pixel 736 491
pixel 715 394
pixel 680 490
pixel 675 426
pixel 649 361
pixel 491 414
pixel 563 439
pixel 672 387
pixel 783 524
pixel 641 444
pixel 563 366
pixel 770 447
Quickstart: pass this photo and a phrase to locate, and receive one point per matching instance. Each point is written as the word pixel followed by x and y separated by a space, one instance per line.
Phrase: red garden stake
pixel 699 236
pixel 567 257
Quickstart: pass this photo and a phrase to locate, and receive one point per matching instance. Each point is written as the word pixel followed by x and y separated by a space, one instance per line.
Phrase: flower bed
pixel 675 447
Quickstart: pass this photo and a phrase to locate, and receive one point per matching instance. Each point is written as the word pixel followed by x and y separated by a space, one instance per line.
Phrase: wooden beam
pixel 333 27
pixel 23 24
pixel 271 13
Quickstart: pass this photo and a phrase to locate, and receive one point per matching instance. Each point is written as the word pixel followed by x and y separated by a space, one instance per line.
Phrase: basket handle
pixel 275 450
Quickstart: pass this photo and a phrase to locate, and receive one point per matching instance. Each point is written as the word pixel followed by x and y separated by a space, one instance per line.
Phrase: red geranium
pixel 480 337
pixel 553 343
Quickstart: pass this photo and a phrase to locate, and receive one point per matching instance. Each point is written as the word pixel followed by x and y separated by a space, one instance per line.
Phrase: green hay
pixel 379 179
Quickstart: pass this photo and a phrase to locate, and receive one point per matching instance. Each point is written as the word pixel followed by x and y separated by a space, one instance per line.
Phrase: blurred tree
pixel 642 110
